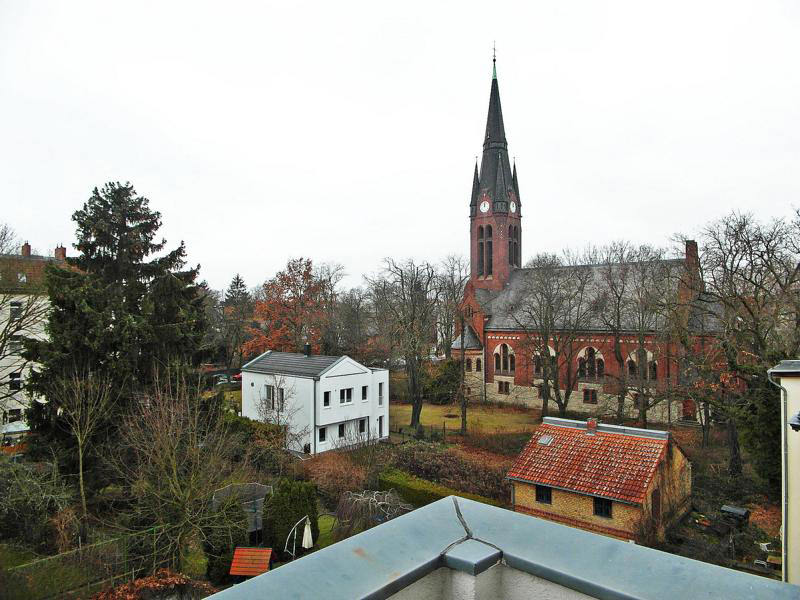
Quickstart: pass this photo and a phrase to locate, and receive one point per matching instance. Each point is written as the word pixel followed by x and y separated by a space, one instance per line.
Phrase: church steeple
pixel 495 225
pixel 495 166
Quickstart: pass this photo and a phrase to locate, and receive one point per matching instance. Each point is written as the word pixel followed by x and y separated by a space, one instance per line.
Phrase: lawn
pixel 325 528
pixel 12 556
pixel 480 418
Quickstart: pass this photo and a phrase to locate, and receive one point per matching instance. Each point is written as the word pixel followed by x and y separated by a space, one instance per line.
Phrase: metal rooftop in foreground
pixel 458 548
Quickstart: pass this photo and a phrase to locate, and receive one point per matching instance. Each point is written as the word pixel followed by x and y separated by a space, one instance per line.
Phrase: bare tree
pixel 554 308
pixel 408 295
pixel 8 239
pixel 277 407
pixel 172 455
pixel 84 401
pixel 452 276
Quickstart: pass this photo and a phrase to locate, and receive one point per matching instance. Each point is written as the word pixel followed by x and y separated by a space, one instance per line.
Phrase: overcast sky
pixel 347 132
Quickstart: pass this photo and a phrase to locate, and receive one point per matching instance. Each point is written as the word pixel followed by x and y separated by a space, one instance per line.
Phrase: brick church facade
pixel 500 365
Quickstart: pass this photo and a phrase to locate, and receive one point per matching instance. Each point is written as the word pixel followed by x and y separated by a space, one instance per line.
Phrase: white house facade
pixel 23 314
pixel 326 402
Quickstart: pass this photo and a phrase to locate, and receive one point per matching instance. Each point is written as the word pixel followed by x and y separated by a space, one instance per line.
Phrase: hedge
pixel 420 492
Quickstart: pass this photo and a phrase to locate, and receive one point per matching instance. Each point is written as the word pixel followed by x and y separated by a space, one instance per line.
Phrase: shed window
pixel 602 507
pixel 544 494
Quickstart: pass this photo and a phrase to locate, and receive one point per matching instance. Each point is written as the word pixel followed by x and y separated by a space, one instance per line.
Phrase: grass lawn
pixel 12 556
pixel 325 527
pixel 480 418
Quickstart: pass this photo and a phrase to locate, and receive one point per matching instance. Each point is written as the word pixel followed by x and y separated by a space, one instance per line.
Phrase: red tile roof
pixel 250 561
pixel 611 465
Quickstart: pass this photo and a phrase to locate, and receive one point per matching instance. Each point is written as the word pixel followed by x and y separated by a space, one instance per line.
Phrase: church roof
pixel 507 308
pixel 471 341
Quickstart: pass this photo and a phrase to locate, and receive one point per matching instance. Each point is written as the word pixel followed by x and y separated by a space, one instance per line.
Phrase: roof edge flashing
pixel 608 428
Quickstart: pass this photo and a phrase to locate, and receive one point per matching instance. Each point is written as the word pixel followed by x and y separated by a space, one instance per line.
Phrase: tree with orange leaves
pixel 290 311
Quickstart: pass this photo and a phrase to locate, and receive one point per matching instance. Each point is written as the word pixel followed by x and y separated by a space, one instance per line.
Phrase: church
pixel 625 372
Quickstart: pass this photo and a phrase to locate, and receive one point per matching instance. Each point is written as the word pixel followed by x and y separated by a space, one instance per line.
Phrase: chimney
pixel 692 257
pixel 26 249
pixel 60 252
pixel 591 426
pixel 307 349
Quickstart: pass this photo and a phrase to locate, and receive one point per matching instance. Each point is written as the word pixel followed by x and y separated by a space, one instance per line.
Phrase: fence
pixel 82 572
pixel 431 433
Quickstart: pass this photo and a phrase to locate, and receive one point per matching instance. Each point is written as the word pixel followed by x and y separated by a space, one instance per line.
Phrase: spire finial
pixel 494 60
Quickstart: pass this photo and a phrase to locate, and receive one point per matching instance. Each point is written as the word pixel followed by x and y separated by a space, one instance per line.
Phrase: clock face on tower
pixel 484 206
pixel 513 206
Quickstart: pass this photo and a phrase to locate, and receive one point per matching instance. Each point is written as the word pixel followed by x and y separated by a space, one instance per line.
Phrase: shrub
pixel 163 584
pixel 228 531
pixel 443 383
pixel 420 492
pixel 507 444
pixel 335 473
pixel 435 463
pixel 290 502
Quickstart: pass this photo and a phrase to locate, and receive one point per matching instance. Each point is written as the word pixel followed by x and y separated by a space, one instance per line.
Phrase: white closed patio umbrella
pixel 308 540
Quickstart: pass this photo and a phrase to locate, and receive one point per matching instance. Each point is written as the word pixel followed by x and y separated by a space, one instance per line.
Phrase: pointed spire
pixel 514 179
pixel 494 61
pixel 476 185
pixel 500 189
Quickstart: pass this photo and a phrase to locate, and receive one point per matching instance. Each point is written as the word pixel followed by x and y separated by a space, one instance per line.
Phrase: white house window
pixel 362 426
pixel 341 430
pixel 326 399
pixel 15 345
pixel 15 310
pixel 322 431
pixel 15 381
pixel 364 392
pixel 280 399
pixel 345 396
pixel 270 391
pixel 380 393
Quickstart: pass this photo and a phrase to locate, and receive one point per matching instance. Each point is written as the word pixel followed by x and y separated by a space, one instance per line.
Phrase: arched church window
pixel 581 367
pixel 591 366
pixel 488 260
pixel 480 250
pixel 601 368
pixel 478 365
pixel 512 363
pixel 497 362
pixel 653 370
pixel 469 364
pixel 632 370
pixel 504 356
pixel 537 365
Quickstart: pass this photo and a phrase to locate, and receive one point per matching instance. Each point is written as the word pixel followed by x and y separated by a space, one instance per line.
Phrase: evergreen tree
pixel 290 502
pixel 122 307
pixel 237 315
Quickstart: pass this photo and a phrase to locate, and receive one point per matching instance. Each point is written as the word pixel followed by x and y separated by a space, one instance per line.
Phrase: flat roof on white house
pixel 458 548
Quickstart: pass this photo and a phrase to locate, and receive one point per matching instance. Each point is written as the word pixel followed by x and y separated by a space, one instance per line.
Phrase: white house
pixel 23 314
pixel 326 402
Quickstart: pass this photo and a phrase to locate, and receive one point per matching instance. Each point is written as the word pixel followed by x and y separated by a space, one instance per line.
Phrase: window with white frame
pixel 345 395
pixel 341 430
pixel 15 381
pixel 269 392
pixel 362 426
pixel 326 399
pixel 280 399
pixel 380 393
pixel 364 392
pixel 15 311
pixel 322 431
